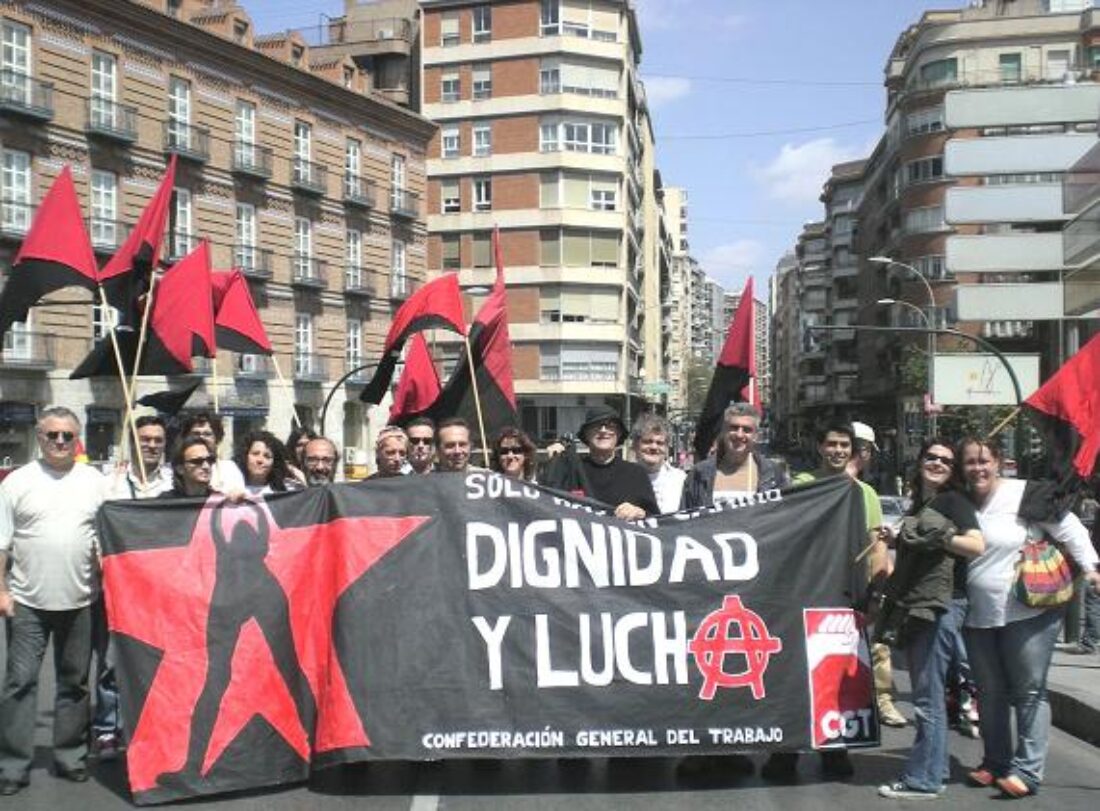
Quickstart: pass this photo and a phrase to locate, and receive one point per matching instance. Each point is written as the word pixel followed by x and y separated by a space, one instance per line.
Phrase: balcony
pixel 401 287
pixel 253 367
pixel 107 235
pixel 308 177
pixel 362 375
pixel 188 142
pixel 356 284
pixel 201 367
pixel 253 262
pixel 109 119
pixel 358 191
pixel 404 203
pixel 30 351
pixel 307 272
pixel 15 219
pixel 251 160
pixel 25 96
pixel 309 367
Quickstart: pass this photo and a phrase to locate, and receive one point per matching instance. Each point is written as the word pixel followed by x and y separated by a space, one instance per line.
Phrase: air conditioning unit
pixel 384 33
pixel 349 455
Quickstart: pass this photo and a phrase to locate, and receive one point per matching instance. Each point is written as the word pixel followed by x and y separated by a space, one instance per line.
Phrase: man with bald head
pixel 319 459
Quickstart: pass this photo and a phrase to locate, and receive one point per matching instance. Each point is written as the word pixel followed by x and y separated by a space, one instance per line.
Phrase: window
pixel 103 321
pixel 603 194
pixel 599 362
pixel 303 247
pixel 15 62
pixel 451 252
pixel 548 138
pixel 582 136
pixel 397 174
pixel 353 156
pixel 924 169
pixel 929 119
pixel 297 53
pixel 240 31
pixel 349 77
pixel 483 82
pixel 303 344
pixel 303 144
pixel 449 142
pixel 922 220
pixel 550 17
pixel 550 80
pixel 483 140
pixel 181 225
pixel 549 190
pixel 603 139
pixel 451 88
pixel 15 192
pixel 399 282
pixel 448 30
pixel 550 248
pixel 577 305
pixel 450 200
pixel 942 71
pixel 1010 68
pixel 931 267
pixel 101 107
pixel 104 209
pixel 483 23
pixel 585 79
pixel 483 194
pixel 244 249
pixel 1058 65
pixel 245 126
pixel 353 272
pixel 481 248
pixel 179 113
pixel 353 343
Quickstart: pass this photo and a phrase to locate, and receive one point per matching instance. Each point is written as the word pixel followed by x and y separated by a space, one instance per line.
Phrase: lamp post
pixel 930 322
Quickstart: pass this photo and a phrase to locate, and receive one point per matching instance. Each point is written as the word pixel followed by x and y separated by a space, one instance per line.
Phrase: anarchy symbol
pixel 713 642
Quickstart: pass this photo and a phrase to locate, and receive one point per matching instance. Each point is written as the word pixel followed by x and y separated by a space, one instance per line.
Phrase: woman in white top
pixel 1010 645
pixel 263 464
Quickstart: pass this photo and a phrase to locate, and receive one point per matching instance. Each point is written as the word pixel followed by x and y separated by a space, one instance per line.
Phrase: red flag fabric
pixel 735 372
pixel 56 253
pixel 183 308
pixel 237 324
pixel 142 249
pixel 436 304
pixel 1069 403
pixel 418 387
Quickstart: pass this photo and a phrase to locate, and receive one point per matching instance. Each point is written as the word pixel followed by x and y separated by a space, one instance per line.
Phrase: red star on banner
pixel 162 597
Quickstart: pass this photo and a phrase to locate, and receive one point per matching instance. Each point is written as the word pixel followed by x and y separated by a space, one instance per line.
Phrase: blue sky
pixel 804 71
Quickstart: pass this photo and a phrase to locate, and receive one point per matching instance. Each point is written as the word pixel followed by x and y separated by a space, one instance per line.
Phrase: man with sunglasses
pixel 48 529
pixel 421 432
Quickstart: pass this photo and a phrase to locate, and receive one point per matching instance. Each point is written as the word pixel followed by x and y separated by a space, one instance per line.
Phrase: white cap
pixel 865 432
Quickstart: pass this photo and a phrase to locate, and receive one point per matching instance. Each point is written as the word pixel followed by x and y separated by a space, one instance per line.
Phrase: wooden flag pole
pixel 136 449
pixel 214 381
pixel 1003 423
pixel 477 401
pixel 751 461
pixel 144 332
pixel 285 386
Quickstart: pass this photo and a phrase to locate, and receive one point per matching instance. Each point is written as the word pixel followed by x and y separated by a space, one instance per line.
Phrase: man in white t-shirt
pixel 649 441
pixel 50 507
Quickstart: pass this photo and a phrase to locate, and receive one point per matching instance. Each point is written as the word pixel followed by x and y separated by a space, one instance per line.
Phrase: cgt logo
pixel 841 683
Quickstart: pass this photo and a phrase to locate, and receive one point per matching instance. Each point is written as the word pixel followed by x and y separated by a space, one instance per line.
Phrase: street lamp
pixel 930 321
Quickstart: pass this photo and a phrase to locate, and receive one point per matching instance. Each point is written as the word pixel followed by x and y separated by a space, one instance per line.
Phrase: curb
pixel 1075 711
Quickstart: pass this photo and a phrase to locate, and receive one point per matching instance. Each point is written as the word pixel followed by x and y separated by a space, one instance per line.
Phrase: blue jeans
pixel 106 718
pixel 930 645
pixel 1010 664
pixel 1090 627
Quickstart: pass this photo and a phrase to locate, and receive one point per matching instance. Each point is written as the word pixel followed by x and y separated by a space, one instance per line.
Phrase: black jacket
pixel 699 484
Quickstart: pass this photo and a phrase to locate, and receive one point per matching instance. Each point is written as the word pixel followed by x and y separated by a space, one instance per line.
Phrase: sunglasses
pixel 420 440
pixel 60 436
pixel 943 460
pixel 511 449
pixel 199 461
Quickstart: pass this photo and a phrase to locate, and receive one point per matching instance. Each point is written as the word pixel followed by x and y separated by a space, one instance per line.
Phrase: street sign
pixel 658 388
pixel 981 379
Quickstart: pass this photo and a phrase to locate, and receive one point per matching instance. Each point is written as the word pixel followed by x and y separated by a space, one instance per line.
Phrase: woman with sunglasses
pixel 514 454
pixel 1010 644
pixel 193 463
pixel 263 463
pixel 936 540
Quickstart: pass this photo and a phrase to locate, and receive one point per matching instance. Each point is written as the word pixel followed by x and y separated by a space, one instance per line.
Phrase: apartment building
pixel 677 303
pixel 707 298
pixel 786 345
pixel 294 172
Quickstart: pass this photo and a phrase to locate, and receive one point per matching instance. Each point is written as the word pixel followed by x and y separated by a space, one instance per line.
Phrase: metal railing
pixel 252 159
pixel 27 350
pixel 15 218
pixel 342 31
pixel 253 367
pixel 404 203
pixel 253 261
pixel 307 271
pixel 308 176
pixel 310 367
pixel 358 191
pixel 25 95
pixel 186 140
pixel 356 282
pixel 106 235
pixel 112 120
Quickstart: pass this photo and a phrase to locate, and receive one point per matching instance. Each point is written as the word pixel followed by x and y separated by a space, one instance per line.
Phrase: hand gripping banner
pixel 466 615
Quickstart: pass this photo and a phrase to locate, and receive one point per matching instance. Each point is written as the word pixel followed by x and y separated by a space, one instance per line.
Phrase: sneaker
pixel 888 714
pixel 900 791
pixel 1082 649
pixel 107 746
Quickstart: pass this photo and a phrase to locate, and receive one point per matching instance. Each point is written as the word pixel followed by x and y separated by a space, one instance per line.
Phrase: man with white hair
pixel 649 440
pixel 47 528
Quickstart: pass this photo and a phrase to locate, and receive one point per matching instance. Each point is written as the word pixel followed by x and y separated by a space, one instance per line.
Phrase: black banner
pixel 473 616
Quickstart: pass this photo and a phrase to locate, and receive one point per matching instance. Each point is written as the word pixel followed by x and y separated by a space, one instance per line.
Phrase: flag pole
pixel 144 331
pixel 477 401
pixel 1003 423
pixel 136 449
pixel 285 386
pixel 214 381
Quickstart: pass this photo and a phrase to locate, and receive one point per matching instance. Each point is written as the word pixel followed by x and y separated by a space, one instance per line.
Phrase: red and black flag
pixel 125 277
pixel 56 253
pixel 237 323
pixel 418 387
pixel 436 304
pixel 1067 410
pixel 170 401
pixel 733 375
pixel 491 348
pixel 181 325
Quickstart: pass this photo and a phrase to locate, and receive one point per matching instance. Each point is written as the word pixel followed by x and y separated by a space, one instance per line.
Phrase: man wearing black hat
pixel 604 475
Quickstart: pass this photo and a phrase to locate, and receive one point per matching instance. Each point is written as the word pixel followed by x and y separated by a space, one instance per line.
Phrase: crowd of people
pixel 946 602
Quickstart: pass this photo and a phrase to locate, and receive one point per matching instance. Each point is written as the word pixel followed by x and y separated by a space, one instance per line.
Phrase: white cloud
pixel 664 89
pixel 659 13
pixel 797 173
pixel 732 263
pixel 734 21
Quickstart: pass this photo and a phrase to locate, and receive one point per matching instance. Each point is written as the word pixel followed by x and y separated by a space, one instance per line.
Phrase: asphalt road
pixel 1073 782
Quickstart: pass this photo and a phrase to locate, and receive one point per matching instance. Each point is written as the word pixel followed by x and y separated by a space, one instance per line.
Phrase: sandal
pixel 982 778
pixel 1012 786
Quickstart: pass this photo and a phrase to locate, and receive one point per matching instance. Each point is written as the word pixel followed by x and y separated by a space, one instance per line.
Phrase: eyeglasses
pixel 513 450
pixel 935 457
pixel 199 461
pixel 60 436
pixel 420 440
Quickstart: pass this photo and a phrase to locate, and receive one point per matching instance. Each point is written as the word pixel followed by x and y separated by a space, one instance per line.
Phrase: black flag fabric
pixel 469 615
pixel 170 401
